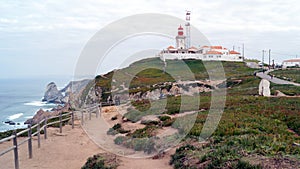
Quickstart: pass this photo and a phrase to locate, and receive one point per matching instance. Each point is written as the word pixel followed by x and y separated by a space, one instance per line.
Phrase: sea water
pixel 21 98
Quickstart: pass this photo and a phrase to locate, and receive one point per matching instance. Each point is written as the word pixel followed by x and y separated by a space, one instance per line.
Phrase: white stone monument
pixel 264 88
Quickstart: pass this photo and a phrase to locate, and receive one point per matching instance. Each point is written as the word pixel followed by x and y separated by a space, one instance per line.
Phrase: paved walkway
pixel 274 79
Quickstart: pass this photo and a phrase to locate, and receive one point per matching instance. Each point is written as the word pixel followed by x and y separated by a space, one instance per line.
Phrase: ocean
pixel 20 99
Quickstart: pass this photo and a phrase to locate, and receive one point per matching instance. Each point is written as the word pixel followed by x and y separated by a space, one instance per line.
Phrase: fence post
pixel 90 115
pixel 15 143
pixel 82 118
pixel 30 141
pixel 60 123
pixel 97 113
pixel 45 128
pixel 100 111
pixel 72 119
pixel 39 134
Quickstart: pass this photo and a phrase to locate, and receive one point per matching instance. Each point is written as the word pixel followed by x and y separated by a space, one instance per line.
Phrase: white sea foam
pixel 28 117
pixel 15 116
pixel 38 104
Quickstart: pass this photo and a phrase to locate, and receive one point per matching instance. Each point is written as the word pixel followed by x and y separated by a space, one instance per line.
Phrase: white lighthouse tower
pixel 180 40
pixel 188 29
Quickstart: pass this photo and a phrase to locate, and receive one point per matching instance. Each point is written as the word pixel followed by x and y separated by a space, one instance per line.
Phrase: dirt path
pixel 71 151
pixel 66 152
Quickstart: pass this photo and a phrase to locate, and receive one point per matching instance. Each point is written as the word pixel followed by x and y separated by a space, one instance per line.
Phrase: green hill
pixel 148 72
pixel 251 129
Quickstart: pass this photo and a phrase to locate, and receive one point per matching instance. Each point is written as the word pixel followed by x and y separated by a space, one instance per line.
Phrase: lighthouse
pixel 180 39
pixel 188 29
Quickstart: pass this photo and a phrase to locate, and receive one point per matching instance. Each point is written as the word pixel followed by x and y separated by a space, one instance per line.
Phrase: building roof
pixel 216 47
pixel 205 47
pixel 292 60
pixel 234 52
pixel 213 52
pixel 193 48
pixel 171 48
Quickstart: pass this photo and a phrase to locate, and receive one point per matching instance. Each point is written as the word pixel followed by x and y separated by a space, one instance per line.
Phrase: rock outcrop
pixel 52 94
pixel 264 88
pixel 41 114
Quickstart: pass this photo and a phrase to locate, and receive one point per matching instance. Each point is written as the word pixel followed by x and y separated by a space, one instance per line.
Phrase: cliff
pixel 53 95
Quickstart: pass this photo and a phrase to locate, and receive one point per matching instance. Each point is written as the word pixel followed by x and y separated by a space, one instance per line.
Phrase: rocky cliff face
pixel 188 88
pixel 52 94
pixel 41 114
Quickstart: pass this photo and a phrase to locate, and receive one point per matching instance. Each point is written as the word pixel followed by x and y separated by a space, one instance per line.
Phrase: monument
pixel 264 88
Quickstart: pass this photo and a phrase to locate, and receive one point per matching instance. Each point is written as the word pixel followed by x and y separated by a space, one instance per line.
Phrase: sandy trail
pixel 70 152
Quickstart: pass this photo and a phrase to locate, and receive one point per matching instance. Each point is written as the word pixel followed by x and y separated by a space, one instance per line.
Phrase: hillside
pixel 254 132
pixel 148 72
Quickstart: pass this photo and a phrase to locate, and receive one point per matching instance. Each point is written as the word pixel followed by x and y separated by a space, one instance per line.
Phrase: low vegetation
pixel 250 125
pixel 267 127
pixel 290 90
pixel 101 161
pixel 288 74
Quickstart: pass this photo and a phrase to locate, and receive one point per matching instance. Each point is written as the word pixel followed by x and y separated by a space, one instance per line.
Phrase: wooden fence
pixel 88 111
pixel 40 126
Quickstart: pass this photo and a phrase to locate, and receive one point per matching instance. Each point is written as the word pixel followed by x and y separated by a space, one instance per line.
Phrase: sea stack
pixel 52 94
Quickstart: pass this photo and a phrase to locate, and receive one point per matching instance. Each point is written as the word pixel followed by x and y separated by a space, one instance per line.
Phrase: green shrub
pixel 145 132
pixel 168 122
pixel 149 122
pixel 111 131
pixel 120 140
pixel 117 128
pixel 164 118
pixel 100 162
pixel 245 165
pixel 114 118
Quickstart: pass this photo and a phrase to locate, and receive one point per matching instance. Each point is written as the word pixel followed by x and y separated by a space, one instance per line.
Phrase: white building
pixel 291 63
pixel 202 53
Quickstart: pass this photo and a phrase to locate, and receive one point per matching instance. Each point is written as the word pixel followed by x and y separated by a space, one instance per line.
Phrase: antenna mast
pixel 188 29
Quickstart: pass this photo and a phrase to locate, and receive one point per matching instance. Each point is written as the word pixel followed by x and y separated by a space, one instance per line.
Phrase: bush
pixel 168 122
pixel 114 118
pixel 111 131
pixel 164 118
pixel 141 105
pixel 245 165
pixel 145 132
pixel 100 162
pixel 120 140
pixel 149 122
pixel 117 128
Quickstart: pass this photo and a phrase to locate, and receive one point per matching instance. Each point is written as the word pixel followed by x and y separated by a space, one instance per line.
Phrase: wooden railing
pixel 40 126
pixel 88 111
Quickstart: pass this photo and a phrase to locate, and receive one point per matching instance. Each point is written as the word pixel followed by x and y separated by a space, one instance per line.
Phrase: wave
pixel 39 104
pixel 15 116
pixel 28 117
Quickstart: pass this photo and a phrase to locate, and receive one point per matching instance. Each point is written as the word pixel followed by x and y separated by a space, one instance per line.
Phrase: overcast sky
pixel 43 38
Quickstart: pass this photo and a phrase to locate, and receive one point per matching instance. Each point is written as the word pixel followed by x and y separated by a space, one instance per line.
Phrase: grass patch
pixel 288 74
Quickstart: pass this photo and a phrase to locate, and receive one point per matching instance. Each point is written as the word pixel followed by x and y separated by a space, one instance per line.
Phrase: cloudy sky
pixel 45 38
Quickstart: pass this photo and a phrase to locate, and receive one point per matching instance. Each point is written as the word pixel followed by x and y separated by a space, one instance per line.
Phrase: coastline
pixel 20 100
